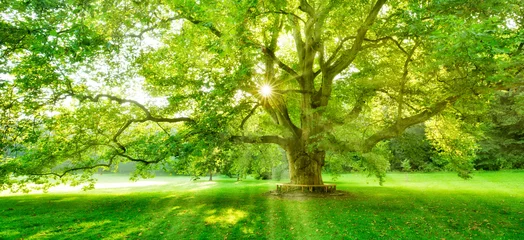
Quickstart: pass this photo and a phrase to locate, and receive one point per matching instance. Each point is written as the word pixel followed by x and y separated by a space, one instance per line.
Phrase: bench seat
pixel 285 187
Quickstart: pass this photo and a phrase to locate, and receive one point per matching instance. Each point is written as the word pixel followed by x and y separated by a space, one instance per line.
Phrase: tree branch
pixel 404 80
pixel 349 55
pixel 305 7
pixel 286 13
pixel 260 139
pixel 278 111
pixel 283 117
pixel 383 39
pixel 76 169
pixel 153 27
pixel 299 44
pixel 248 116
pixel 334 55
pixel 294 91
pixel 149 116
pixel 210 26
pixel 400 125
pixel 140 160
pixel 268 52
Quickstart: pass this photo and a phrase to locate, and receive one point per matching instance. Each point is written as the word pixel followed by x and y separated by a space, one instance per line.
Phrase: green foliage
pixel 337 164
pixel 413 149
pixel 454 146
pixel 376 162
pixel 257 160
pixel 406 166
pixel 77 81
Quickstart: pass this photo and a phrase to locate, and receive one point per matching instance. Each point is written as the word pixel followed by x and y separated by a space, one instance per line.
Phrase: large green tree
pixel 310 76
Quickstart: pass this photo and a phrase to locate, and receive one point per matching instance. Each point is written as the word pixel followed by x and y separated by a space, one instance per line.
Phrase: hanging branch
pixel 60 175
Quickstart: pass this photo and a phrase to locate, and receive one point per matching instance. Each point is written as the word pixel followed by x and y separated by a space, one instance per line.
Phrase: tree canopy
pixel 88 84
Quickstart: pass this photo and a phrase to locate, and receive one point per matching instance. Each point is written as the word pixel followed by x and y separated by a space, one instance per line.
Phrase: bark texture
pixel 305 167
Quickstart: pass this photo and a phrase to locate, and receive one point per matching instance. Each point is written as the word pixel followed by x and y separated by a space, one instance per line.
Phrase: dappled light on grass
pixel 169 196
pixel 9 233
pixel 127 232
pixel 228 216
pixel 79 228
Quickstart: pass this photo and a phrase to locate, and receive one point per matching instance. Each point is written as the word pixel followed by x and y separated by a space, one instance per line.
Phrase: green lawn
pixel 414 206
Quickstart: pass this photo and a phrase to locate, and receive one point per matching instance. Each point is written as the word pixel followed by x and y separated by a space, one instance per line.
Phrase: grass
pixel 423 206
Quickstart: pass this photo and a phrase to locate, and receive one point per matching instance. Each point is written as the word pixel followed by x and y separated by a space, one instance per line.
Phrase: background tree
pixel 413 149
pixel 502 147
pixel 338 76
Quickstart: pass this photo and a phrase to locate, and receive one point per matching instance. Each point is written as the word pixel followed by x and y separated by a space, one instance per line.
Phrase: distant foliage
pixel 414 148
pixel 503 147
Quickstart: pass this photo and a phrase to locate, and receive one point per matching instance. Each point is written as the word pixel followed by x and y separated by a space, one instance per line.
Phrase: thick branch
pixel 112 98
pixel 149 116
pixel 210 26
pixel 357 109
pixel 278 111
pixel 268 52
pixel 400 125
pixel 146 162
pixel 305 7
pixel 299 43
pixel 283 116
pixel 349 55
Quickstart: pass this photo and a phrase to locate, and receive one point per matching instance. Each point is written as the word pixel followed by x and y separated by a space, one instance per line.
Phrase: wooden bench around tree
pixel 286 187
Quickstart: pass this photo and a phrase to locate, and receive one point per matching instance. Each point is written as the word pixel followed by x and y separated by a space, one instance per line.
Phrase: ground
pixel 434 206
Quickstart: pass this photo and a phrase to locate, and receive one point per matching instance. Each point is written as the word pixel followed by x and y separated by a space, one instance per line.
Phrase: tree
pixel 503 147
pixel 412 151
pixel 310 76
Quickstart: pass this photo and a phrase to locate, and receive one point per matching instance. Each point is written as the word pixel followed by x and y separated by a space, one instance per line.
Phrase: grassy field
pixel 414 206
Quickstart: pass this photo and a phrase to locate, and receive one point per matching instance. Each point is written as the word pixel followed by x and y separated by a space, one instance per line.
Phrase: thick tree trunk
pixel 305 167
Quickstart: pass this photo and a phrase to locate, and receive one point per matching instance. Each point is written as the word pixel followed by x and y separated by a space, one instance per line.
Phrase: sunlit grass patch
pixel 227 216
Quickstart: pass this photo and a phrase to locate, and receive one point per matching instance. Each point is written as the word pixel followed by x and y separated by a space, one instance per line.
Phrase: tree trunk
pixel 210 175
pixel 305 167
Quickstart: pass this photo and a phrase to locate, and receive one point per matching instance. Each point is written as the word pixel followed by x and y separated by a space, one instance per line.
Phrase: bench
pixel 285 187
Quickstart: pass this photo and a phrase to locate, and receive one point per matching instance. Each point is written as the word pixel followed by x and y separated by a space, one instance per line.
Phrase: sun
pixel 265 90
